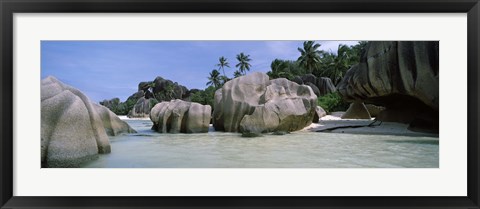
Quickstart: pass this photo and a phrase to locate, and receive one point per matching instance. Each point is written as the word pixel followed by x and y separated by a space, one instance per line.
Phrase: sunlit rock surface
pixel 73 129
pixel 178 116
pixel 255 104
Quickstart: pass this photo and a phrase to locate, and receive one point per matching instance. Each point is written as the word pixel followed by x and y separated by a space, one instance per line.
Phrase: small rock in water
pixel 251 134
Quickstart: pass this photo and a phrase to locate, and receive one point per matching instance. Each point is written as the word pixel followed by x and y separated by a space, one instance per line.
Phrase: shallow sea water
pixel 302 149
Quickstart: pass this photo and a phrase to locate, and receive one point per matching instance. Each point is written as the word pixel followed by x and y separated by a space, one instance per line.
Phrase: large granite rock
pixel 320 86
pixel 178 116
pixel 112 104
pixel 136 96
pixel 325 85
pixel 399 75
pixel 357 110
pixel 374 110
pixel 147 95
pixel 112 124
pixel 255 104
pixel 142 108
pixel 144 86
pixel 172 89
pixel 139 104
pixel 320 112
pixel 72 130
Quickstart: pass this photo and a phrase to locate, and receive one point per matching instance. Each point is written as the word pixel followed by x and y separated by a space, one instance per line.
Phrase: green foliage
pixel 122 108
pixel 243 63
pixel 204 97
pixel 237 74
pixel 336 65
pixel 215 79
pixel 152 102
pixel 222 64
pixel 285 69
pixel 167 94
pixel 332 102
pixel 309 55
pixel 319 62
pixel 111 104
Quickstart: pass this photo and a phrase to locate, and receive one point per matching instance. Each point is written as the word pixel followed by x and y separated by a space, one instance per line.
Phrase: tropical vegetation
pixel 311 60
pixel 214 79
pixel 332 102
pixel 318 62
pixel 243 63
pixel 309 55
pixel 222 64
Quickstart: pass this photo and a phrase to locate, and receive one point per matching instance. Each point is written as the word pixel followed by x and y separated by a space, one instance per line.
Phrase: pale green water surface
pixel 303 149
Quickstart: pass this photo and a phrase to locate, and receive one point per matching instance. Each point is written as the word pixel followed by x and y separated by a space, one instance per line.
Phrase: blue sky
pixel 108 69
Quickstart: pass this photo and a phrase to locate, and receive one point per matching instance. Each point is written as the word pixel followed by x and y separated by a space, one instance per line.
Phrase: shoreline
pixel 334 120
pixel 124 117
pixel 386 128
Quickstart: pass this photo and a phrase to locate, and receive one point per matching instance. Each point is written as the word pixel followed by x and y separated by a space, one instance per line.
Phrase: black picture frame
pixel 9 7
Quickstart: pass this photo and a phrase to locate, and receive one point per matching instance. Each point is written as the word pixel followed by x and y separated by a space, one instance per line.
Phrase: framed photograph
pixel 265 104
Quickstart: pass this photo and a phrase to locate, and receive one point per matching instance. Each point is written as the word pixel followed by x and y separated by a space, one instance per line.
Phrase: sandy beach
pixel 124 117
pixel 384 128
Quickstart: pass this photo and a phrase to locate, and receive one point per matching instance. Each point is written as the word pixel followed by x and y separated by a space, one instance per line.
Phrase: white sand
pixel 388 128
pixel 124 117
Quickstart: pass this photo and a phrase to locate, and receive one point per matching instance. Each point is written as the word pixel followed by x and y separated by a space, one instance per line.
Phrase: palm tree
pixel 243 64
pixel 224 79
pixel 214 78
pixel 358 49
pixel 336 65
pixel 280 69
pixel 223 63
pixel 237 74
pixel 309 55
pixel 343 61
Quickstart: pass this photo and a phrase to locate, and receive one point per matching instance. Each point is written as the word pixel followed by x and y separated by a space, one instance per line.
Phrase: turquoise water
pixel 303 149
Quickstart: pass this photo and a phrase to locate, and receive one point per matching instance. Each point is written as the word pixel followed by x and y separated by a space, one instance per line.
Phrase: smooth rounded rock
pixel 73 129
pixel 357 110
pixel 178 116
pixel 255 104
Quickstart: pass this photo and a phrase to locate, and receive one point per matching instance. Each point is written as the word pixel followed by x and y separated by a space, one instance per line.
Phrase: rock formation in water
pixel 401 76
pixel 178 116
pixel 255 104
pixel 149 93
pixel 320 86
pixel 172 90
pixel 112 124
pixel 73 129
pixel 141 109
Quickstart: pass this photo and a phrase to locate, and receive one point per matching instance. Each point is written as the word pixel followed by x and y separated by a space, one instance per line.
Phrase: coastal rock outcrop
pixel 112 104
pixel 112 124
pixel 320 86
pixel 255 104
pixel 170 89
pixel 357 110
pixel 320 112
pixel 142 108
pixel 72 129
pixel 178 116
pixel 402 76
pixel 149 93
pixel 374 110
